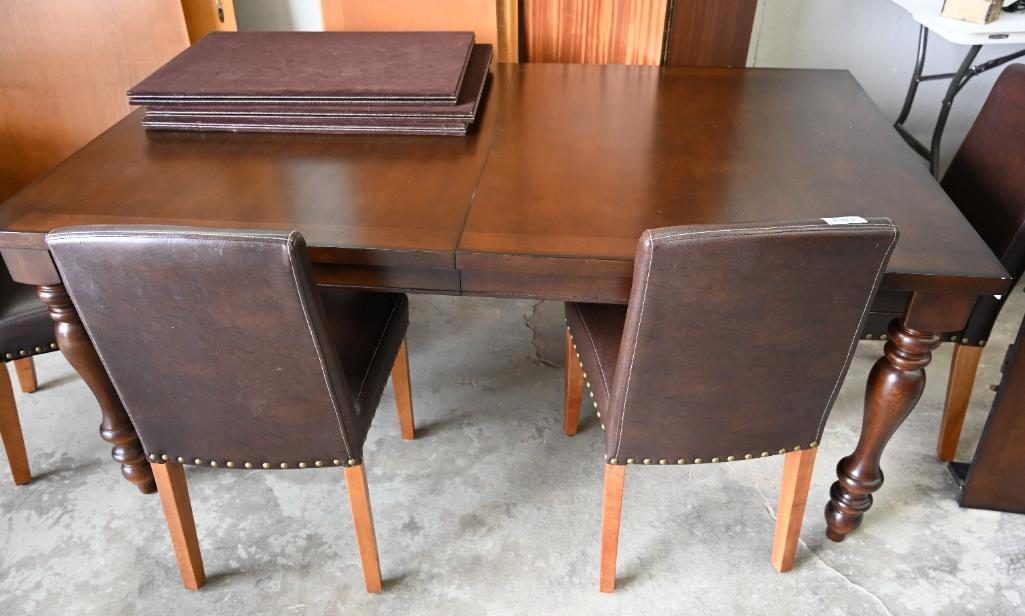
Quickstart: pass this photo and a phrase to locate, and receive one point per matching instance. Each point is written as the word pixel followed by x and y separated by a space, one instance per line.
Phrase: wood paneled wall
pixel 710 32
pixel 594 31
pixel 64 69
pixel 493 21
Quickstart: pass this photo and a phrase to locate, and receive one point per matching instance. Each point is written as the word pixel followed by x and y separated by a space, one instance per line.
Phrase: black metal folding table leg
pixel 916 76
pixel 960 78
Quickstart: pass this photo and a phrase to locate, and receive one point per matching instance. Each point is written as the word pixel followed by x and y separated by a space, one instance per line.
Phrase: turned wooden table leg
pixel 894 386
pixel 116 428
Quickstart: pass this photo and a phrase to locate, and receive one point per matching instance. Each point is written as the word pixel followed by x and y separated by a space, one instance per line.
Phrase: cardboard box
pixel 975 11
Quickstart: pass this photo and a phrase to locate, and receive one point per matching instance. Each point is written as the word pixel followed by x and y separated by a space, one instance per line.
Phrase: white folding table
pixel 1009 29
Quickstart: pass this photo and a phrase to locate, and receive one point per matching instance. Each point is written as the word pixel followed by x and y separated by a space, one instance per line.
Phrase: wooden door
pixel 710 33
pixel 594 31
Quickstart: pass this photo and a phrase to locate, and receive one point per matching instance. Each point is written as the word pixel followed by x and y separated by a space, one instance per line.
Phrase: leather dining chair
pixel 25 330
pixel 986 182
pixel 733 347
pixel 226 355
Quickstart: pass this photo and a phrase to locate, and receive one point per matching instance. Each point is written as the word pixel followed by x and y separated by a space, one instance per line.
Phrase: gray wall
pixel 278 15
pixel 875 40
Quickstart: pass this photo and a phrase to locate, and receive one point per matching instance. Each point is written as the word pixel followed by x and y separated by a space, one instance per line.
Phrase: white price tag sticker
pixel 845 220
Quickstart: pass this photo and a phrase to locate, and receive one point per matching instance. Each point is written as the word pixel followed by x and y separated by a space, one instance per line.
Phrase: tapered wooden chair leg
pixel 793 496
pixel 363 520
pixel 963 365
pixel 174 497
pixel 26 370
pixel 10 431
pixel 612 509
pixel 403 392
pixel 574 388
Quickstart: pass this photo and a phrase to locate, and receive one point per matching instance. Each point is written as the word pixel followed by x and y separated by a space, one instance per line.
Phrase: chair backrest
pixel 986 178
pixel 25 325
pixel 738 337
pixel 986 181
pixel 214 340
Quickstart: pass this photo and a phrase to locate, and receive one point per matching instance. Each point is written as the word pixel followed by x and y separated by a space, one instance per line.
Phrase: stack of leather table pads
pixel 320 82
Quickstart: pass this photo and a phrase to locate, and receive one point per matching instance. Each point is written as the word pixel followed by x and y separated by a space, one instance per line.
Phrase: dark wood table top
pixel 567 166
pixel 386 200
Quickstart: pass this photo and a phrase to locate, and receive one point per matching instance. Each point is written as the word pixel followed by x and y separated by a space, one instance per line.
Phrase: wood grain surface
pixel 704 33
pixel 594 31
pixel 493 21
pixel 66 66
pixel 564 169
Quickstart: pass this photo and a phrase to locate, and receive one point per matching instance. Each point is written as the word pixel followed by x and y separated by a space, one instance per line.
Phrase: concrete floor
pixel 493 510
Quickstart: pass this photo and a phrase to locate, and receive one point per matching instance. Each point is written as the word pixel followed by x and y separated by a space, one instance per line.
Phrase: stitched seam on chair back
pixel 377 348
pixel 590 339
pixel 857 331
pixel 106 368
pixel 656 240
pixel 59 236
pixel 332 395
pixel 633 354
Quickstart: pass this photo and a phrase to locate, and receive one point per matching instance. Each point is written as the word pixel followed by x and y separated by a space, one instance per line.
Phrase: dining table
pixel 546 198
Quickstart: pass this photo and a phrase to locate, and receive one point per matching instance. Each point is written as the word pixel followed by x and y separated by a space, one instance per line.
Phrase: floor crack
pixel 858 587
pixel 537 356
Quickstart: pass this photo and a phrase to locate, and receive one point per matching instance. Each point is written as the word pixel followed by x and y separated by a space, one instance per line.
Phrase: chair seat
pixel 597 330
pixel 25 325
pixel 367 328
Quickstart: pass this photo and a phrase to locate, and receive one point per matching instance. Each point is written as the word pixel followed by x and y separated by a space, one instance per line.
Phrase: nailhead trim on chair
pixel 715 460
pixel 587 382
pixel 982 342
pixel 249 465
pixel 663 461
pixel 33 351
pixel 953 338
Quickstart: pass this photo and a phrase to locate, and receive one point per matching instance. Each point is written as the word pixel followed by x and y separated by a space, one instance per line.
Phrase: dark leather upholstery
pixel 367 330
pixel 25 325
pixel 597 328
pixel 986 179
pixel 220 348
pixel 735 341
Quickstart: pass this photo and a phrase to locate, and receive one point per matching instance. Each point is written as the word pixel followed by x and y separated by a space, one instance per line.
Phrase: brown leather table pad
pixel 465 107
pixel 314 67
pixel 334 119
pixel 300 124
pixel 563 170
